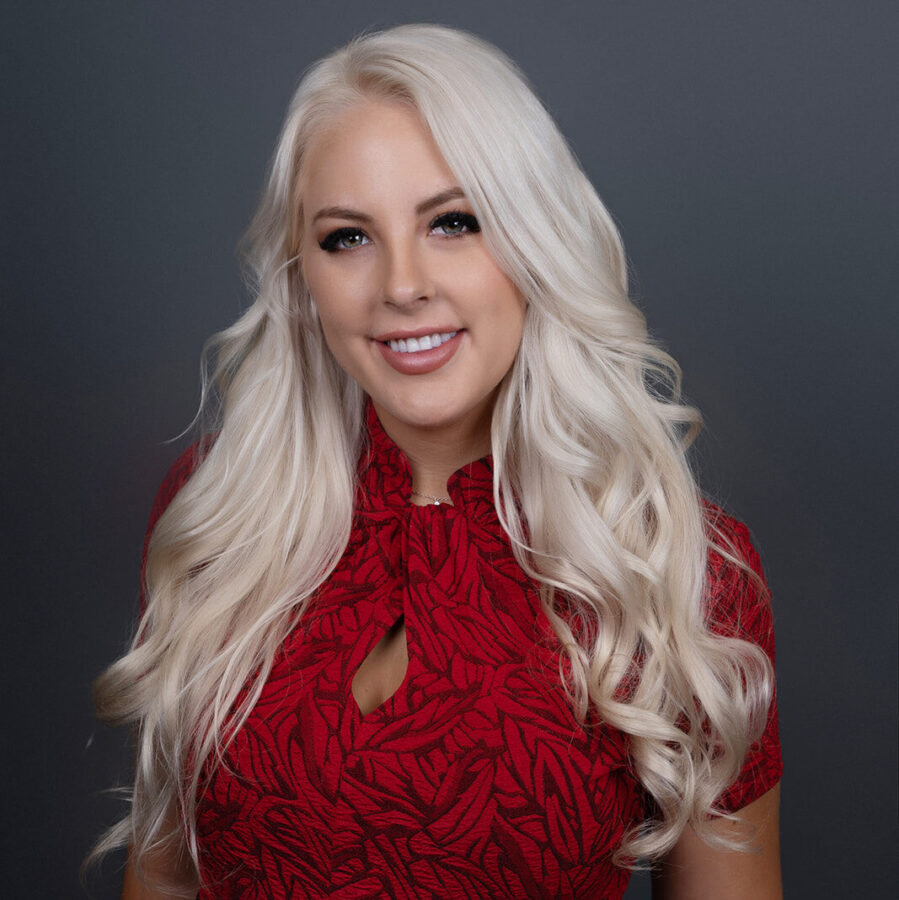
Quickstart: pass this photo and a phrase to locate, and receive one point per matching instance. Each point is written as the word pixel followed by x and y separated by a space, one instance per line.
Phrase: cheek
pixel 333 295
pixel 339 335
pixel 346 351
pixel 510 342
pixel 505 314
pixel 326 294
pixel 320 285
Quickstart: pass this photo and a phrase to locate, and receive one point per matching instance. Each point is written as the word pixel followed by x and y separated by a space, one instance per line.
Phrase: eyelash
pixel 331 243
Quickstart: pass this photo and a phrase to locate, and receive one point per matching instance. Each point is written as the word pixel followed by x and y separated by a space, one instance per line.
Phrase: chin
pixel 425 415
pixel 431 411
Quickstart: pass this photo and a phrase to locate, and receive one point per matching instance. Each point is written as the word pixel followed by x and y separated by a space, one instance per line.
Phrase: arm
pixel 695 871
pixel 133 888
pixel 161 868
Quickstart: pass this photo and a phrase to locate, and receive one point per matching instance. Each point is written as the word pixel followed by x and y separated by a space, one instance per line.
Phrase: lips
pixel 425 342
pixel 420 352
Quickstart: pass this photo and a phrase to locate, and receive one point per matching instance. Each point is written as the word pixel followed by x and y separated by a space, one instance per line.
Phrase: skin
pixel 377 171
pixel 376 179
pixel 158 868
pixel 695 871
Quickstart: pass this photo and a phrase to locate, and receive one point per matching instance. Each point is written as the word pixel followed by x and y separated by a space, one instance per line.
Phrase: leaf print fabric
pixel 473 779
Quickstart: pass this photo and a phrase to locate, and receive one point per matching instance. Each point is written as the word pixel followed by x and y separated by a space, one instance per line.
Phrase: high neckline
pixel 385 477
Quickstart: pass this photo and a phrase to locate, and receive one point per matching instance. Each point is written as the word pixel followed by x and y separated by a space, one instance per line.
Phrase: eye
pixel 453 224
pixel 343 239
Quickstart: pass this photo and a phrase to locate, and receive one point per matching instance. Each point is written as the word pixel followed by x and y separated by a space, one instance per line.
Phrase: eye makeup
pixel 343 239
pixel 453 223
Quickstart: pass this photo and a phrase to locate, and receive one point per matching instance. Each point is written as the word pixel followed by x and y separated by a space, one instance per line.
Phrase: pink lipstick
pixel 419 352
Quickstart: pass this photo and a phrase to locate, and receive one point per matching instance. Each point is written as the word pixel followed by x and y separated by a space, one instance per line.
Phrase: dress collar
pixel 385 478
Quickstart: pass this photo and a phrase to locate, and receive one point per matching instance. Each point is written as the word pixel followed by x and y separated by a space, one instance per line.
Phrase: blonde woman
pixel 435 609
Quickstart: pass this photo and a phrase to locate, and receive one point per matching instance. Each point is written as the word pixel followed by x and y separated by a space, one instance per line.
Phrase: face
pixel 412 304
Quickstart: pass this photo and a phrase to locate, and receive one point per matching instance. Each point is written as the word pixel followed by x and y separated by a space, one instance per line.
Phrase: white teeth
pixel 414 345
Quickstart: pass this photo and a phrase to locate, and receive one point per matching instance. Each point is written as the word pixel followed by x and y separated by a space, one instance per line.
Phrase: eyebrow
pixel 345 212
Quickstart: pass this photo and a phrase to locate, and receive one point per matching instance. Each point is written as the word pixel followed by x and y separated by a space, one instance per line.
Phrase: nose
pixel 407 281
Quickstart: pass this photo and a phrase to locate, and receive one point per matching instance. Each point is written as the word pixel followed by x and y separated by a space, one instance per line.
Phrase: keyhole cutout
pixel 383 670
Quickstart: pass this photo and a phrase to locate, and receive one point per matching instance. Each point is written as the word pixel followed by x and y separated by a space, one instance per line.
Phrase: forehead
pixel 375 153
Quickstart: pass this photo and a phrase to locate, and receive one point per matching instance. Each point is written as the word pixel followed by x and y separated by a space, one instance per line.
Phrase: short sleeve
pixel 740 606
pixel 175 479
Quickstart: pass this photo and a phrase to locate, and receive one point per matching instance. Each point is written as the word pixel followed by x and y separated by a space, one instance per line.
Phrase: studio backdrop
pixel 747 151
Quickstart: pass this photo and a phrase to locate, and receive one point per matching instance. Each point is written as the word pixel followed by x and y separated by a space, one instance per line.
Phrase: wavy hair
pixel 591 478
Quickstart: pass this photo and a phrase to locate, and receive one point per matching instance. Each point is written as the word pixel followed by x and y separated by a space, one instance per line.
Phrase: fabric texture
pixel 473 779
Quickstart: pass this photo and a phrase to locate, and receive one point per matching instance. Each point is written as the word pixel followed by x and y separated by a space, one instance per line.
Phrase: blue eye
pixel 453 224
pixel 343 239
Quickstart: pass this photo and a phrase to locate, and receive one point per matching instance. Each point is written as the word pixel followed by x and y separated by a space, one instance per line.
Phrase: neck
pixel 435 452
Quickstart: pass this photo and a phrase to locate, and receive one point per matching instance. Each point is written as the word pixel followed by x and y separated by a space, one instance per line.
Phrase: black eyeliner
pixel 466 219
pixel 329 243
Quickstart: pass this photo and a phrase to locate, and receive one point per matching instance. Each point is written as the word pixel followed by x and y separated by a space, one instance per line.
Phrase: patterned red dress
pixel 473 779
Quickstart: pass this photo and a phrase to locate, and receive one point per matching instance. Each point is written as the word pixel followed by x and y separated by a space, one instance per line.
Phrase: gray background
pixel 748 153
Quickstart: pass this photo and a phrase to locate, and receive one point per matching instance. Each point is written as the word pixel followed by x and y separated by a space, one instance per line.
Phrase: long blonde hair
pixel 589 440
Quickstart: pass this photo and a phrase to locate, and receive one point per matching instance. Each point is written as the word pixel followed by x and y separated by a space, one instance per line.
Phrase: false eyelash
pixel 467 219
pixel 329 243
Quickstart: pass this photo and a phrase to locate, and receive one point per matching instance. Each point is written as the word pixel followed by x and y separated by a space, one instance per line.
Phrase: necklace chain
pixel 437 500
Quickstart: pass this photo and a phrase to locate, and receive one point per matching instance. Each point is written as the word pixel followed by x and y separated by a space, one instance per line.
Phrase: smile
pixel 422 354
pixel 416 345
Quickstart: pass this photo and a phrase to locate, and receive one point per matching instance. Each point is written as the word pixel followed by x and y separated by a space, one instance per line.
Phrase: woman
pixel 438 610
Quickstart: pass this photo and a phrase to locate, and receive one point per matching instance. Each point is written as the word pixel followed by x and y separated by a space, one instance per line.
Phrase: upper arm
pixel 162 866
pixel 134 888
pixel 693 870
pixel 740 607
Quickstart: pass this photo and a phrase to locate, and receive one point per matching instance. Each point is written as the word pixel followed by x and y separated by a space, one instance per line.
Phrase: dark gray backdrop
pixel 748 153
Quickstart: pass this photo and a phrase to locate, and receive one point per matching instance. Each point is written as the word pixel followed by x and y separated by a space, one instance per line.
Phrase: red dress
pixel 473 779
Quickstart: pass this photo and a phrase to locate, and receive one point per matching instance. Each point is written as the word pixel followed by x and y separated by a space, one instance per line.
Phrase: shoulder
pixel 737 594
pixel 729 537
pixel 175 479
pixel 738 605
